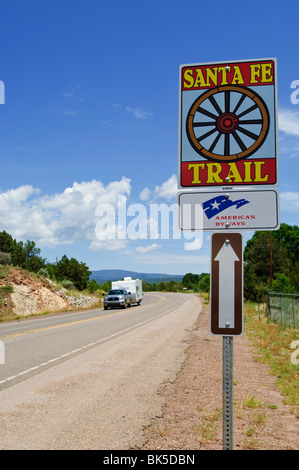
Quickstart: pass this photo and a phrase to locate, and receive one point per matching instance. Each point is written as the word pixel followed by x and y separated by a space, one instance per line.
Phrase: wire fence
pixel 284 308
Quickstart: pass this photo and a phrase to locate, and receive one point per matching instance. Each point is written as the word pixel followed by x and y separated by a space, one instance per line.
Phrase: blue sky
pixel 91 115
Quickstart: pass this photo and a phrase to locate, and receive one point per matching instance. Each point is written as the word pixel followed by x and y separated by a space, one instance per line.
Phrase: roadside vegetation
pixel 271 262
pixel 278 347
pixel 27 256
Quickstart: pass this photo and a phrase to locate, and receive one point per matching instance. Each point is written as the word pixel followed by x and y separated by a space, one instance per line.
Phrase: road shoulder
pixel 192 412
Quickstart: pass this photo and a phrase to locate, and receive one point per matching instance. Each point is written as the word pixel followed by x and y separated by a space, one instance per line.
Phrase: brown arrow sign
pixel 227 284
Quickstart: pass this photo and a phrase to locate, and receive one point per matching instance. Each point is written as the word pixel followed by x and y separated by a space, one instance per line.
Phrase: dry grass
pixel 273 345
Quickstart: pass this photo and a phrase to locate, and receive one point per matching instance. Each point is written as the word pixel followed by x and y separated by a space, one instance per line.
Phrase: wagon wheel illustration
pixel 227 123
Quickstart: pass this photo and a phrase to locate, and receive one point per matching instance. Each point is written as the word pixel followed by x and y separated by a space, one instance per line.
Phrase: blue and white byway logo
pixel 239 210
pixel 218 204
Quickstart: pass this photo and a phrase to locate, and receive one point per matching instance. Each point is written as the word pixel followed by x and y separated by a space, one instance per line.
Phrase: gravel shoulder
pixel 192 411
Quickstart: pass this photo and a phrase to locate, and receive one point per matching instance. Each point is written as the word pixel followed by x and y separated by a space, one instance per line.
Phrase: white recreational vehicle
pixel 134 286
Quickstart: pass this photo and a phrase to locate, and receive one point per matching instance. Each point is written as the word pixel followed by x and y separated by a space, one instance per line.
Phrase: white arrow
pixel 226 257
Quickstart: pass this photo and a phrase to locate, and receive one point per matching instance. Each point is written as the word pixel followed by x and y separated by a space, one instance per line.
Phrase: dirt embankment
pixel 31 295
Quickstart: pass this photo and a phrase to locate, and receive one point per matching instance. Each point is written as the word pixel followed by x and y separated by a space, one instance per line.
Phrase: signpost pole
pixel 227 393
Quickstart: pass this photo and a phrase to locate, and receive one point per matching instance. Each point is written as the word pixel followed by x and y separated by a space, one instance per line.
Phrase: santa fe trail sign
pixel 228 141
pixel 228 124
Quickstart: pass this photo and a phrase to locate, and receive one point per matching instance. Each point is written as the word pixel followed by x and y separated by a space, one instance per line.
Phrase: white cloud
pixel 139 113
pixel 196 244
pixel 288 122
pixel 108 245
pixel 146 249
pixel 61 218
pixel 168 190
pixel 288 149
pixel 75 91
pixel 145 194
pixel 70 112
pixel 17 196
pixel 289 201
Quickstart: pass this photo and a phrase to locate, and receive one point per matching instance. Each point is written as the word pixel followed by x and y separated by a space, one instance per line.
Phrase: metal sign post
pixel 227 313
pixel 227 397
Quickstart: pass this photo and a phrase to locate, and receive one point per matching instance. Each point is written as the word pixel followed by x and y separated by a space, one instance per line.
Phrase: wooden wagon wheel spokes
pixel 228 122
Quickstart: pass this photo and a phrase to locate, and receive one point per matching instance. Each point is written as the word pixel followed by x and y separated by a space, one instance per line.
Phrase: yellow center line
pixel 36 330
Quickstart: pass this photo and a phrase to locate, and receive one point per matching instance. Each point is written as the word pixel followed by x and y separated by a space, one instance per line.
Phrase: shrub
pixel 43 272
pixel 67 284
pixel 4 258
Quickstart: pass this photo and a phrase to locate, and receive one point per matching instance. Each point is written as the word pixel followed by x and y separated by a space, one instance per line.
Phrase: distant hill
pixel 105 275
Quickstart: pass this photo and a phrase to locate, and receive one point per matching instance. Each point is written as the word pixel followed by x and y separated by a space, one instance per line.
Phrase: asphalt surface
pixel 90 380
pixel 38 343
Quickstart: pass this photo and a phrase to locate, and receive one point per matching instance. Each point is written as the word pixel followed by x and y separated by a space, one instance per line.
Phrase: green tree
pixel 161 286
pixel 288 235
pixel 173 286
pixel 294 276
pixel 25 256
pixel 146 286
pixel 10 245
pixel 204 282
pixel 51 270
pixel 93 286
pixel 34 262
pixel 190 280
pixel 257 264
pixel 73 270
pixel 106 286
pixel 283 283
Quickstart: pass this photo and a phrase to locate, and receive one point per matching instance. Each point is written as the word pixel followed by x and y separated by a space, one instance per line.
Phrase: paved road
pixel 35 344
pixel 89 380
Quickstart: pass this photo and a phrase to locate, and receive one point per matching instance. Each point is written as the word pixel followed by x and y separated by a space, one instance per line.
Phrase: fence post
pixel 269 307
